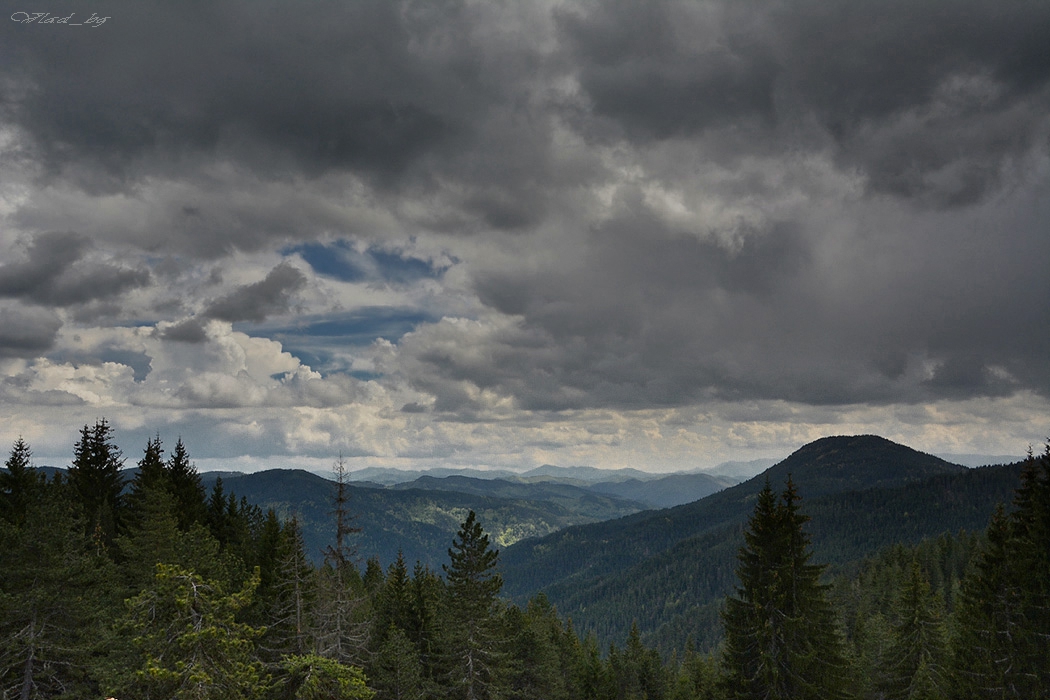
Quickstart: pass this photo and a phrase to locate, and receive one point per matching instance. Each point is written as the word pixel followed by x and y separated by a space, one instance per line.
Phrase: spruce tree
pixel 56 593
pixel 781 639
pixel 151 475
pixel 96 478
pixel 18 483
pixel 185 484
pixel 290 628
pixel 1003 619
pixel 915 663
pixel 190 645
pixel 473 639
pixel 397 673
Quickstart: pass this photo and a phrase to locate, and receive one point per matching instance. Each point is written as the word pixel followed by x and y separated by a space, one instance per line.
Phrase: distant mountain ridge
pixel 668 491
pixel 651 558
pixel 421 522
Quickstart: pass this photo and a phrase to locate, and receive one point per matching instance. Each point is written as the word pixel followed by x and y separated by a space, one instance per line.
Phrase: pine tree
pixel 915 661
pixel 19 483
pixel 96 478
pixel 473 586
pixel 1003 620
pixel 290 628
pixel 191 646
pixel 151 475
pixel 55 594
pixel 185 484
pixel 313 677
pixel 781 639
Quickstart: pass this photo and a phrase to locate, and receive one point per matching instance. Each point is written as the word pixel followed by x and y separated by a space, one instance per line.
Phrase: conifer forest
pixel 155 588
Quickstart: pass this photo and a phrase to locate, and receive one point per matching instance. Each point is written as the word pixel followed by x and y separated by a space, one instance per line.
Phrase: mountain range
pixel 614 547
pixel 668 570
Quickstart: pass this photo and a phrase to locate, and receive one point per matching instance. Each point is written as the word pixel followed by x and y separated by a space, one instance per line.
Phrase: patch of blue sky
pixel 338 260
pixel 395 267
pixel 322 342
pixel 342 261
pixel 358 327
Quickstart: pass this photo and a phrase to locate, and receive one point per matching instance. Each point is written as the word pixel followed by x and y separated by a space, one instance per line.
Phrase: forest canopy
pixel 154 588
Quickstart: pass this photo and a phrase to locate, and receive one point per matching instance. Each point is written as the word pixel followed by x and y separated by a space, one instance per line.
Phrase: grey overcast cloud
pixel 499 234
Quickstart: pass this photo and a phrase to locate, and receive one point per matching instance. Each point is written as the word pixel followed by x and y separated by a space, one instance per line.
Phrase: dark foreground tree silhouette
pixel 781 639
pixel 1002 645
pixel 474 641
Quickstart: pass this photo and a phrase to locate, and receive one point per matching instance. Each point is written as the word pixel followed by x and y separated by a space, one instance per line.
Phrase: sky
pixel 500 234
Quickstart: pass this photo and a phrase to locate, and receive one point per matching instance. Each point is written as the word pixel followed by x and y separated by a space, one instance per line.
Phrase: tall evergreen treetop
pixel 186 487
pixel 1003 630
pixel 474 642
pixel 151 476
pixel 781 635
pixel 18 482
pixel 96 478
pixel 471 574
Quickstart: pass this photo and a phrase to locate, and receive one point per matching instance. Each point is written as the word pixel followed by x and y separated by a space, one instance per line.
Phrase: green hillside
pixel 675 595
pixel 669 569
pixel 827 465
pixel 421 521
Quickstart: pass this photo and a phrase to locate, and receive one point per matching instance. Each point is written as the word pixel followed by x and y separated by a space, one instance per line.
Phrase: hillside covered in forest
pixel 155 586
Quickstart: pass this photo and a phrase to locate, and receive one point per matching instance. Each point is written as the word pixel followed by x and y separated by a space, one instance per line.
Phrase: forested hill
pixel 418 522
pixel 664 569
pixel 828 465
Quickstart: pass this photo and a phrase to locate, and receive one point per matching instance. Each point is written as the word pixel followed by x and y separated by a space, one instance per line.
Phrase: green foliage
pixel 781 635
pixel 1004 609
pixel 398 674
pixel 54 593
pixel 669 570
pixel 156 538
pixel 290 608
pixel 19 484
pixel 950 616
pixel 313 677
pixel 473 641
pixel 96 479
pixel 190 645
pixel 185 485
pixel 915 664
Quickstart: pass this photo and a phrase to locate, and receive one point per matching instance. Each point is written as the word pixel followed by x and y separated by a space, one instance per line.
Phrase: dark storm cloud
pixel 54 272
pixel 401 94
pixel 27 332
pixel 188 331
pixel 330 85
pixel 929 100
pixel 254 302
pixel 835 162
pixel 650 315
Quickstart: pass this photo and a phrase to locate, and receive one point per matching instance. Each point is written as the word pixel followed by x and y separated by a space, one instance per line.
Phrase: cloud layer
pixel 662 233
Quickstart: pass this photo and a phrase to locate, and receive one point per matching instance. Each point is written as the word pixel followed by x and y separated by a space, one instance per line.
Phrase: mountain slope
pixel 419 522
pixel 591 506
pixel 666 491
pixel 675 595
pixel 828 465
